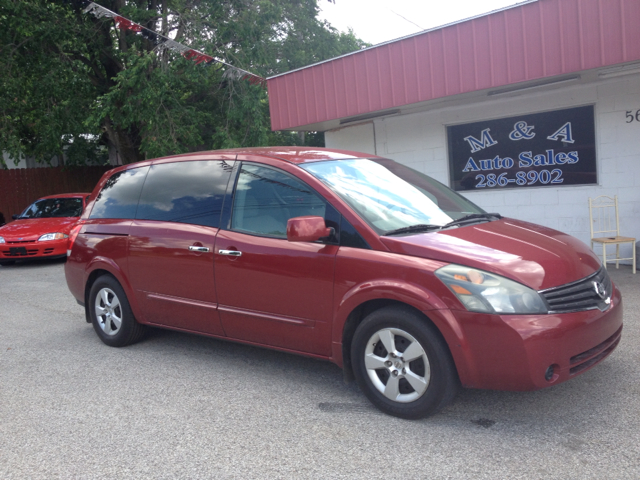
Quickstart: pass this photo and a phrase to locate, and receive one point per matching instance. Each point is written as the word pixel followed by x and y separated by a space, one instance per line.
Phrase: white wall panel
pixel 359 138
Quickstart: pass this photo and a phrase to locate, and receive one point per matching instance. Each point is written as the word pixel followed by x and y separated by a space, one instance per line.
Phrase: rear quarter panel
pixel 101 245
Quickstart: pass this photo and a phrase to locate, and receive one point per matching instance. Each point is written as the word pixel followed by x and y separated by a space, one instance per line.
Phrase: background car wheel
pixel 111 314
pixel 402 364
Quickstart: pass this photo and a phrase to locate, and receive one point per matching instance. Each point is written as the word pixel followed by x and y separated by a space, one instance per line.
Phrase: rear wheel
pixel 111 314
pixel 402 363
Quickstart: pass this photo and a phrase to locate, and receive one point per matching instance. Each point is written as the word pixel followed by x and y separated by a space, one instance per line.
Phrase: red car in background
pixel 42 229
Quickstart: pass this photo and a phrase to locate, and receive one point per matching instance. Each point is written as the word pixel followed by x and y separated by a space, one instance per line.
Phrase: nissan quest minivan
pixel 343 256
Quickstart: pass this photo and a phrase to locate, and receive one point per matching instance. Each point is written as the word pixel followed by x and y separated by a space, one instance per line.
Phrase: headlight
pixel 53 236
pixel 1 240
pixel 489 293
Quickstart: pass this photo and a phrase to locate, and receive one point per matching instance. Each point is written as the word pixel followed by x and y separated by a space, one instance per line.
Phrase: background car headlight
pixel 1 240
pixel 485 292
pixel 53 236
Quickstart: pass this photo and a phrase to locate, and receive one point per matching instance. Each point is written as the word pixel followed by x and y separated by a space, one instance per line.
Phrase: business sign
pixel 549 149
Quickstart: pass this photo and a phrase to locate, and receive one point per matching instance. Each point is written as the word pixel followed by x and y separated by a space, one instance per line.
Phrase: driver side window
pixel 265 198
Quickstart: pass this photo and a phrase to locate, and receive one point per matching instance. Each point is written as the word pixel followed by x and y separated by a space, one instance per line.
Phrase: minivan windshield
pixel 393 198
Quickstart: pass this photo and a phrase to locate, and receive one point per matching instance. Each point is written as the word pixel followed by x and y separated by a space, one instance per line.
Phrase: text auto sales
pixel 521 131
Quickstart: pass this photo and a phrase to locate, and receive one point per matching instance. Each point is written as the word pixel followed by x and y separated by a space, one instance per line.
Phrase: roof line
pixel 422 32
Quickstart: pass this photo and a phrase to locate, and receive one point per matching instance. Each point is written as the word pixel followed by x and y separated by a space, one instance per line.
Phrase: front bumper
pixel 23 250
pixel 515 352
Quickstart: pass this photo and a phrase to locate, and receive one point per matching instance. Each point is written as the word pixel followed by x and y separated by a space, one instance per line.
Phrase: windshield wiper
pixel 412 229
pixel 472 218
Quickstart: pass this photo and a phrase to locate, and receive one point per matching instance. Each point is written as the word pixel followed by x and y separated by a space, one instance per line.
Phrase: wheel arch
pixel 101 266
pixel 359 313
pixel 116 324
pixel 427 387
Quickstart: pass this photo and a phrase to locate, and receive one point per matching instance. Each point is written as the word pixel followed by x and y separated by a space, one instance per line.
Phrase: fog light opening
pixel 551 375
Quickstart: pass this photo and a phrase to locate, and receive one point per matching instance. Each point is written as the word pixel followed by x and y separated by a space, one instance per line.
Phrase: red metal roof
pixel 534 40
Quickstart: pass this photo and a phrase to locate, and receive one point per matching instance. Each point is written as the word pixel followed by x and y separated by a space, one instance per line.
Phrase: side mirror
pixel 307 229
pixel 15 216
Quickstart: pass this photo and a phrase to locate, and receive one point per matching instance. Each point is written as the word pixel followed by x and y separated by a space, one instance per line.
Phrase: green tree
pixel 73 82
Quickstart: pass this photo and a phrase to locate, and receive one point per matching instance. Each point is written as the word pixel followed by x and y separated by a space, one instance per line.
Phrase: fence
pixel 21 186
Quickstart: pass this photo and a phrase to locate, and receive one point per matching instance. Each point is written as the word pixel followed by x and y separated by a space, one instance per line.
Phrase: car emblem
pixel 20 238
pixel 600 290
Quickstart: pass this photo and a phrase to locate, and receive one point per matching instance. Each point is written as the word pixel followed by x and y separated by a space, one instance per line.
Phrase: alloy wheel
pixel 397 365
pixel 108 311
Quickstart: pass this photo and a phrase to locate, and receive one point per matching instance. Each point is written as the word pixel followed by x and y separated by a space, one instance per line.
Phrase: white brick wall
pixel 359 138
pixel 419 141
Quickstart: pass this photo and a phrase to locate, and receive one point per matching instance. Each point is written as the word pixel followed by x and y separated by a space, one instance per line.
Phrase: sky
pixel 377 21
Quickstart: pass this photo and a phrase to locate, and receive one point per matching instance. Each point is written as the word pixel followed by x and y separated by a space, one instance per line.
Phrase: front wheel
pixel 402 363
pixel 111 314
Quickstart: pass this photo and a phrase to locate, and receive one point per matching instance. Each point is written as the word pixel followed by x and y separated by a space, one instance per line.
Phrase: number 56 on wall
pixel 631 117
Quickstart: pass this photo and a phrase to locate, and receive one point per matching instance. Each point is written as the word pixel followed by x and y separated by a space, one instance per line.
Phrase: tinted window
pixel 266 198
pixel 186 192
pixel 119 196
pixel 349 236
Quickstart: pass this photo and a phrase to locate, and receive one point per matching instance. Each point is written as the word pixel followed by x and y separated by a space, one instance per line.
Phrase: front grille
pixel 29 253
pixel 24 241
pixel 592 356
pixel 581 295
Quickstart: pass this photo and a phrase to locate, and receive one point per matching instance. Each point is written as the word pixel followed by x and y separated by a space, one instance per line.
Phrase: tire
pixel 406 385
pixel 111 314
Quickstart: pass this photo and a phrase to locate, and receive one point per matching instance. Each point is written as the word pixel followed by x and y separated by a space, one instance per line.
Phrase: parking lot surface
pixel 183 406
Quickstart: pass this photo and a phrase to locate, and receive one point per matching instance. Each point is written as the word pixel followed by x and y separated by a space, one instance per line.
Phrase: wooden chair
pixel 605 228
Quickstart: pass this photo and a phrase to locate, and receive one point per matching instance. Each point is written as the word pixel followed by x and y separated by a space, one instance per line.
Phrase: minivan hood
pixel 533 255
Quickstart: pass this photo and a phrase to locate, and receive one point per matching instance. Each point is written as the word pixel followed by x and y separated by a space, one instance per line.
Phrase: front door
pixel 272 291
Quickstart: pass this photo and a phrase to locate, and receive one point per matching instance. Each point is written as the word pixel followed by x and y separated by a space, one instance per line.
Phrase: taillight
pixel 73 234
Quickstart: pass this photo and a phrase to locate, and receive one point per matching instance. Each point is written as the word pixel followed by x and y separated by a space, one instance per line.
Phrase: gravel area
pixel 183 406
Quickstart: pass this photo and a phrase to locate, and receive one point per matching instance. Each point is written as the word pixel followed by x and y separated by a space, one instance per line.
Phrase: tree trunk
pixel 165 54
pixel 114 158
pixel 126 144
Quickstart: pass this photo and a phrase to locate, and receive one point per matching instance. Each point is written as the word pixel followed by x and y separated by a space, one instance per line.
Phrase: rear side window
pixel 185 192
pixel 119 196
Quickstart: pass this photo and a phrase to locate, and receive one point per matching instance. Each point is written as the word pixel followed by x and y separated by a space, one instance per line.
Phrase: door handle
pixel 232 253
pixel 198 249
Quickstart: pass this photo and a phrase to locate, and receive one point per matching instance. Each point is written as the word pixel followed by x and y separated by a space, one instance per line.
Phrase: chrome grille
pixel 589 293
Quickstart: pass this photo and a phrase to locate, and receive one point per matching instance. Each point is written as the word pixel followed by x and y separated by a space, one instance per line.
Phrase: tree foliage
pixel 72 82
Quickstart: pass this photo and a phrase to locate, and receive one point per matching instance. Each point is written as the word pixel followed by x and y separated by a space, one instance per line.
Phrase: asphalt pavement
pixel 183 406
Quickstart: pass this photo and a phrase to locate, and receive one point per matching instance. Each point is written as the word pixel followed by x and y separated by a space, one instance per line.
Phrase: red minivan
pixel 347 257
